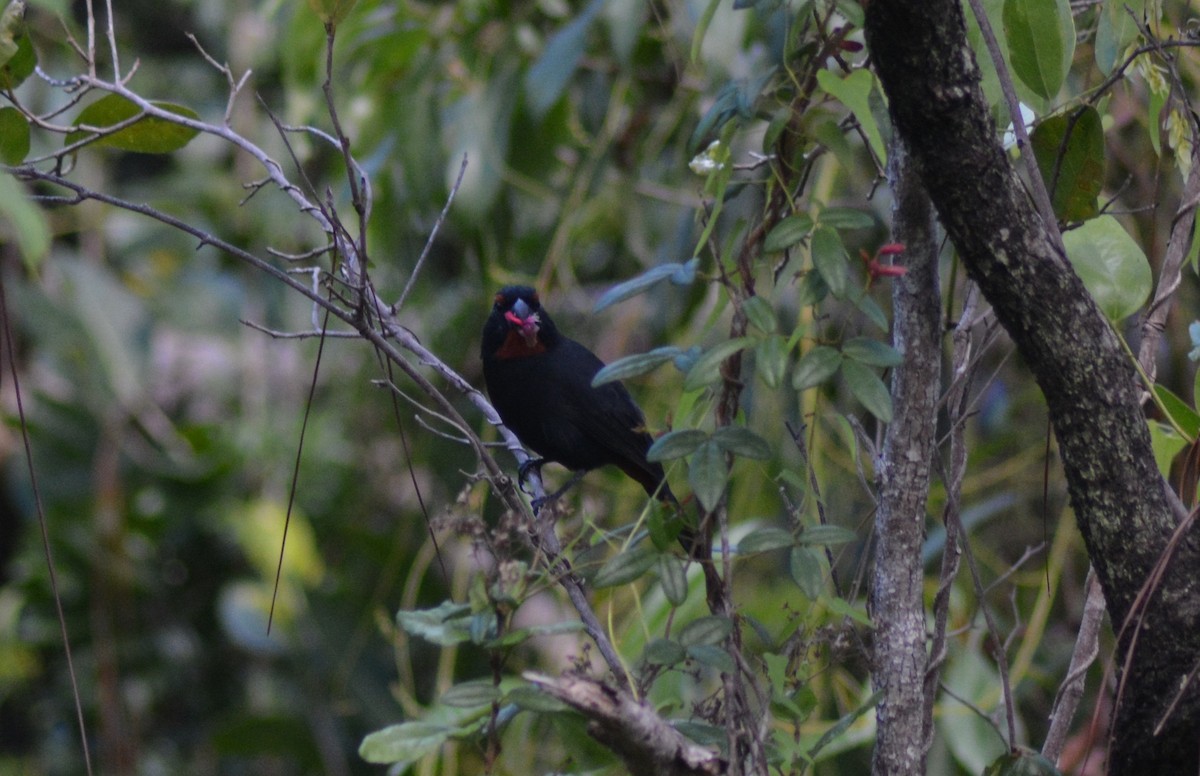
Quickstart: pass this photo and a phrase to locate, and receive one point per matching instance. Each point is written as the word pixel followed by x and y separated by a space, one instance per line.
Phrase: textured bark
pixel 644 741
pixel 932 82
pixel 903 475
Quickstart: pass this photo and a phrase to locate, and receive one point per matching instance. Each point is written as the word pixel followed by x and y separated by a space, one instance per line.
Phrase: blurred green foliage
pixel 164 432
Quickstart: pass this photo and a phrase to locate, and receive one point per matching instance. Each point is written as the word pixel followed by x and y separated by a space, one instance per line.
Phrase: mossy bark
pixel 920 52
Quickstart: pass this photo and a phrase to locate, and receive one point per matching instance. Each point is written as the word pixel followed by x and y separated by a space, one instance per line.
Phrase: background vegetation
pixel 165 425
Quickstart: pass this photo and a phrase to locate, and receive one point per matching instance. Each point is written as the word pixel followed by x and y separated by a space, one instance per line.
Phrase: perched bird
pixel 540 382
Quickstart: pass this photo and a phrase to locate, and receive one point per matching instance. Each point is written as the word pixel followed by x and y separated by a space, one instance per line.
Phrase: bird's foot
pixel 534 464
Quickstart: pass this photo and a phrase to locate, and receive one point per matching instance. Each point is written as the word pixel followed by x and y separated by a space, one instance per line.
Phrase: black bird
pixel 540 382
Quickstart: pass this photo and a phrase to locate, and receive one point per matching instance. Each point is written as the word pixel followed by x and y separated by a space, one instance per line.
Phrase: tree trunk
pixel 932 82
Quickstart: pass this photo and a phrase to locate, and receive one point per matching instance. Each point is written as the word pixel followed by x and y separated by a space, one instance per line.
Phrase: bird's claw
pixel 523 469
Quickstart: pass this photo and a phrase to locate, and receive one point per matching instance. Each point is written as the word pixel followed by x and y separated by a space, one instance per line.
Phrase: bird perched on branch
pixel 540 382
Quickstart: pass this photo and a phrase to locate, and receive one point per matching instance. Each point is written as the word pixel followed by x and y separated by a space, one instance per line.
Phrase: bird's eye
pixel 498 300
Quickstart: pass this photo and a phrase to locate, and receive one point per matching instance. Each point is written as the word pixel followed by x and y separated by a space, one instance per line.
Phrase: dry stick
pixel 287 518
pixel 956 402
pixel 994 630
pixel 41 516
pixel 1087 647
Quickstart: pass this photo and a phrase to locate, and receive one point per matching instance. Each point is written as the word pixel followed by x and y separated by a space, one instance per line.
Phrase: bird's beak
pixel 524 320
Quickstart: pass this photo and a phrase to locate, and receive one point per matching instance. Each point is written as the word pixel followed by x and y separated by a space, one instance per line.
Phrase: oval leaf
pixel 20 66
pixel 149 135
pixel 637 364
pixel 551 73
pixel 676 444
pixel 673 578
pixel 760 314
pixel 805 569
pixel 1111 265
pixel 638 284
pixel 770 360
pixel 470 694
pixel 741 441
pixel 868 389
pixel 27 221
pixel 829 257
pixel 707 368
pixel 871 352
pixel 846 218
pixel 14 136
pixel 712 656
pixel 1070 155
pixel 788 232
pixel 625 566
pixel 765 539
pixel 826 535
pixel 711 629
pixel 1041 42
pixel 707 475
pixel 664 652
pixel 815 367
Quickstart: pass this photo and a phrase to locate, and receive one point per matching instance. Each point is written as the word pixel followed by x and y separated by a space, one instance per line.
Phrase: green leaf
pixel 625 566
pixel 868 389
pixel 845 218
pixel 1181 414
pixel 871 352
pixel 990 81
pixel 411 741
pixel 788 232
pixel 712 656
pixel 805 569
pixel 12 29
pixel 149 135
pixel 812 289
pixel 676 444
pixel 1041 42
pixel 844 608
pixel 1111 265
pixel 760 314
pixel 854 91
pixel 770 359
pixel 530 698
pixel 741 441
pixel 711 629
pixel 27 221
pixel 826 535
pixel 446 624
pixel 765 539
pixel 637 364
pixel 664 652
pixel 521 635
pixel 815 367
pixel 829 257
pixel 707 369
pixel 673 578
pixel 21 66
pixel 480 692
pixel 637 285
pixel 707 474
pixel 550 74
pixel 14 136
pixel 1166 445
pixel 1115 30
pixel 1071 165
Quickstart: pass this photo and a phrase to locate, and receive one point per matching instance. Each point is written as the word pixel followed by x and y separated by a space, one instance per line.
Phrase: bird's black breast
pixel 548 401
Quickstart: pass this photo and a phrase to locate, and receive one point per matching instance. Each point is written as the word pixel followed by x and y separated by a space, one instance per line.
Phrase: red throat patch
pixel 517 346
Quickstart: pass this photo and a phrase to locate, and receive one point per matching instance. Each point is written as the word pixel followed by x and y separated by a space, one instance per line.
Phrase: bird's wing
pixel 608 415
